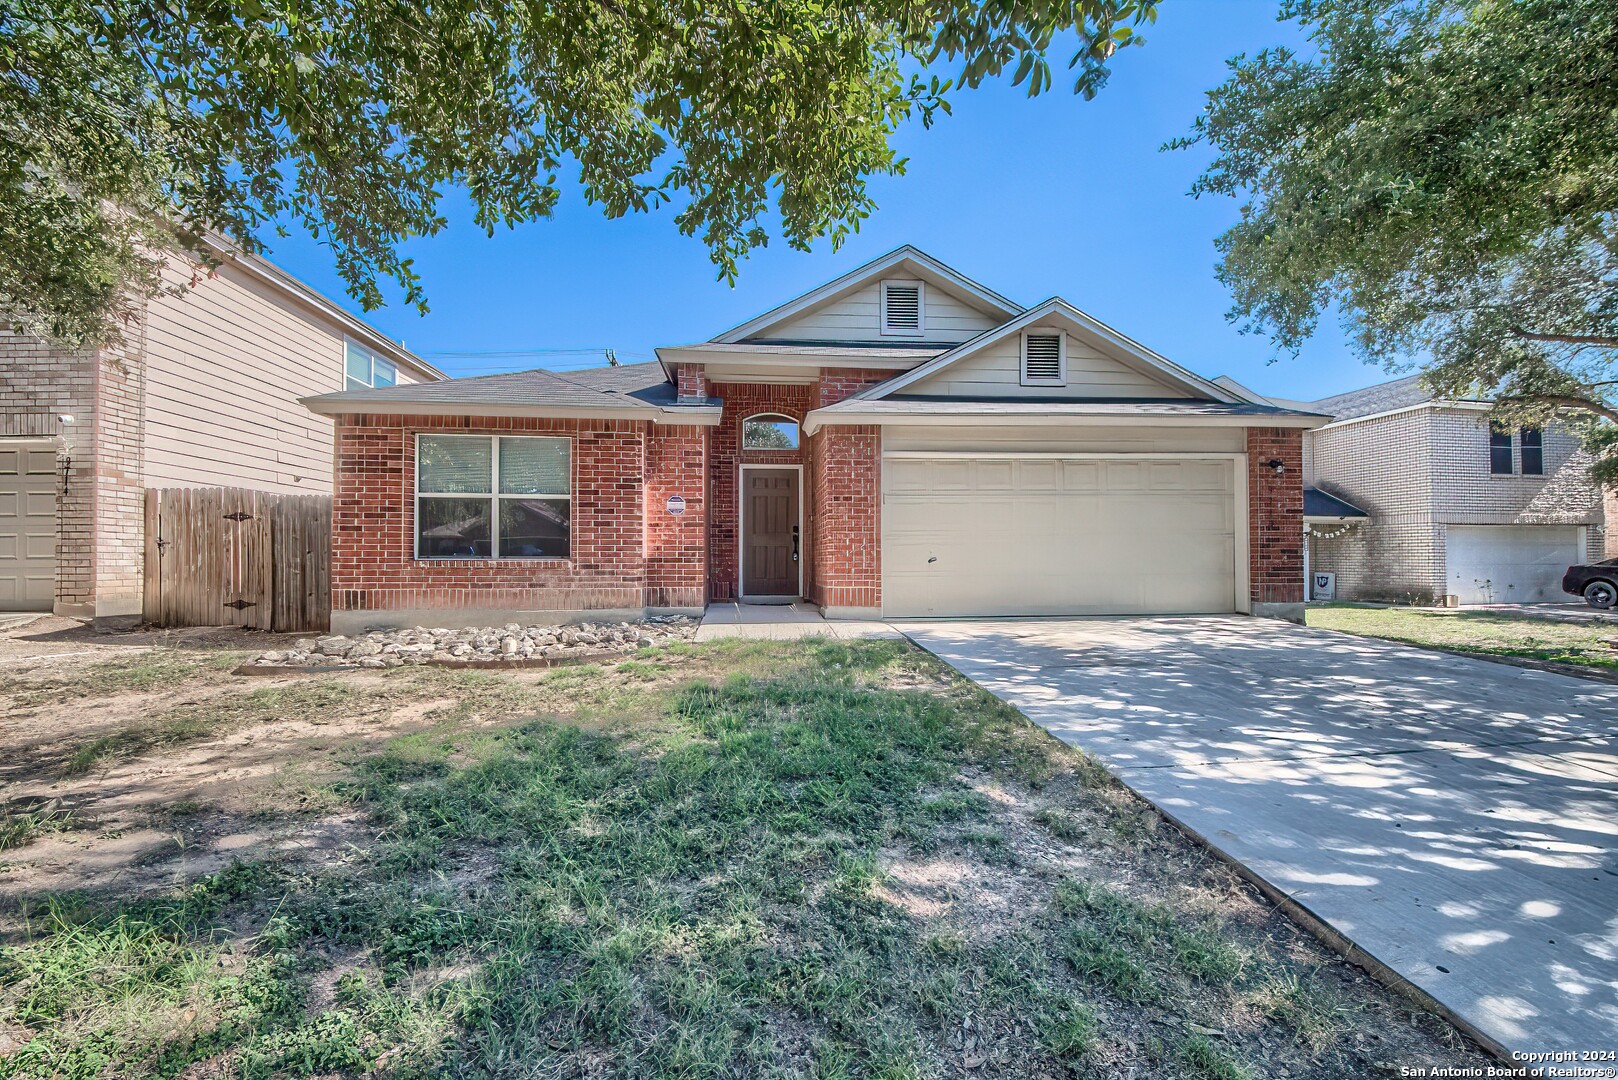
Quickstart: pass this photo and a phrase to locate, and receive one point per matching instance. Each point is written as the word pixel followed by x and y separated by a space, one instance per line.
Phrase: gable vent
pixel 1042 359
pixel 901 307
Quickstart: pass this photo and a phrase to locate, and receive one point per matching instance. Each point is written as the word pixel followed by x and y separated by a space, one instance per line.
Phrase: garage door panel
pixel 1510 564
pixel 1060 536
pixel 27 528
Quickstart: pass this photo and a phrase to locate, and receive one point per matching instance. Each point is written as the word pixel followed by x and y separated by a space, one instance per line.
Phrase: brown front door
pixel 770 540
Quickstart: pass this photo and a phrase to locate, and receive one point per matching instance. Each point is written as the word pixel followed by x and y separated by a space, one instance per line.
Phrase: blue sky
pixel 1041 197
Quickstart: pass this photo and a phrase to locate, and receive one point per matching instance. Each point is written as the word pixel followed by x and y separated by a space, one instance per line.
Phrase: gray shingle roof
pixel 628 386
pixel 1383 397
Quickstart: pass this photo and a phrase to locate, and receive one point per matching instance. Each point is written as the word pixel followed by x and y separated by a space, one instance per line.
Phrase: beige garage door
pixel 27 527
pixel 1057 536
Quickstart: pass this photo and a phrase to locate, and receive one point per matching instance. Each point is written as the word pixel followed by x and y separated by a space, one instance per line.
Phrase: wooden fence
pixel 234 557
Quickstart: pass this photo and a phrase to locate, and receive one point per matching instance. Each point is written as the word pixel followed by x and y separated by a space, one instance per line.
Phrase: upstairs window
pixel 1044 358
pixel 768 431
pixel 902 308
pixel 1499 449
pixel 1533 452
pixel 500 497
pixel 364 369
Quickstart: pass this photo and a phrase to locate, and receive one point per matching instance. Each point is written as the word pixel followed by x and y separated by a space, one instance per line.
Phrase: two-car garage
pixel 1061 534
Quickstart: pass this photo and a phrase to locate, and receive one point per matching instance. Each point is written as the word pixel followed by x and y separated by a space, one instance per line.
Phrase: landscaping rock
pixel 512 643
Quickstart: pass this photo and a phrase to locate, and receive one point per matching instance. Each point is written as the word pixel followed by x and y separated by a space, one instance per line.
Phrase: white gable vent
pixel 902 307
pixel 1044 358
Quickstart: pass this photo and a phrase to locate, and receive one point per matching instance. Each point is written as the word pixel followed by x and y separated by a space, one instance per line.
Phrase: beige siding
pixel 856 317
pixel 226 362
pixel 1075 440
pixel 996 371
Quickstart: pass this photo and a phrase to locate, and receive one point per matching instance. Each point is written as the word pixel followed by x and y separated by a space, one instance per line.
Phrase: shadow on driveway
pixel 1456 819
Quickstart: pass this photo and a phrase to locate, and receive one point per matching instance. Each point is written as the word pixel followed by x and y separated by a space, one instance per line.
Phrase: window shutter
pixel 901 307
pixel 1042 358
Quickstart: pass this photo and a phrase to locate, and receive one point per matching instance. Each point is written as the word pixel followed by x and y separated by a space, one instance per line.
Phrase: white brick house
pixel 1456 511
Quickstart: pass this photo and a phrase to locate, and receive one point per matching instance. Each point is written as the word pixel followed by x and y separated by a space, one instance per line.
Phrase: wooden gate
pixel 236 557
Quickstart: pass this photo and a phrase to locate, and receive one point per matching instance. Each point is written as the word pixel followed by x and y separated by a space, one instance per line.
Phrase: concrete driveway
pixel 1457 819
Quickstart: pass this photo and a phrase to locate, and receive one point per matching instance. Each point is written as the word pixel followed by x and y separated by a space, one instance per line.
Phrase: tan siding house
pixel 1456 512
pixel 204 394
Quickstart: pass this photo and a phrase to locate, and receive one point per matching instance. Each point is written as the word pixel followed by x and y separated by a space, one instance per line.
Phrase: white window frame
pixel 494 494
pixel 376 362
pixel 772 417
pixel 921 309
pixel 1061 357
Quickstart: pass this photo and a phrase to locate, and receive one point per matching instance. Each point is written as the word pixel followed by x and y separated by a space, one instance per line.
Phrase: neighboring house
pixel 1422 500
pixel 204 393
pixel 899 442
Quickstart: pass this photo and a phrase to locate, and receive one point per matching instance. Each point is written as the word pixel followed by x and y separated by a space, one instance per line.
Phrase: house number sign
pixel 676 504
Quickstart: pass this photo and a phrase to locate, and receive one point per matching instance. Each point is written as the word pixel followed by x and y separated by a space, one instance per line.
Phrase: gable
pixel 954 308
pixel 1097 363
pixel 995 371
pixel 857 316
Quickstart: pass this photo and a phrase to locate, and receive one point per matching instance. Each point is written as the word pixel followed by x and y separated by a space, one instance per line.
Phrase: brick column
pixel 845 463
pixel 676 544
pixel 1275 522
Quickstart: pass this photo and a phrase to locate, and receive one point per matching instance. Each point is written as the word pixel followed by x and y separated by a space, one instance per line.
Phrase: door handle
pixel 794 543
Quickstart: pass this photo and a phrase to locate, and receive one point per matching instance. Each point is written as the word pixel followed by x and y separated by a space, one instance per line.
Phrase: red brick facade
pixel 676 544
pixel 630 551
pixel 1275 515
pixel 374 568
pixel 845 485
pixel 726 457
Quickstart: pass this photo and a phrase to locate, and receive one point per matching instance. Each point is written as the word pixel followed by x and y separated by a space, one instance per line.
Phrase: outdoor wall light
pixel 1276 466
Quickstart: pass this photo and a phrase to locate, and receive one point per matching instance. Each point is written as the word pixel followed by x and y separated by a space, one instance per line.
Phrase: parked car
pixel 1597 583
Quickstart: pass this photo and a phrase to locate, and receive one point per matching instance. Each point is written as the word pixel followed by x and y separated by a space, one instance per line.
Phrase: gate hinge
pixel 239 604
pixel 238 515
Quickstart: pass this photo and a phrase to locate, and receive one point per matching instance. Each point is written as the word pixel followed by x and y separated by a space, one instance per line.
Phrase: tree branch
pixel 1564 401
pixel 1597 340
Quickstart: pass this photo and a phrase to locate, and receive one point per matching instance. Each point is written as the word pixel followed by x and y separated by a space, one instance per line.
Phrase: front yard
pixel 744 858
pixel 1528 635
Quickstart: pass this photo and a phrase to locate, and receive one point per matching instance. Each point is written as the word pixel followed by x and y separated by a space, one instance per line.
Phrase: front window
pixel 769 432
pixel 364 369
pixel 1499 449
pixel 1533 452
pixel 500 497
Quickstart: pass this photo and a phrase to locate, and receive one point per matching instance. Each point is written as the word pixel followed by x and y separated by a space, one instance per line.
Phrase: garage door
pixel 1510 564
pixel 1057 536
pixel 27 527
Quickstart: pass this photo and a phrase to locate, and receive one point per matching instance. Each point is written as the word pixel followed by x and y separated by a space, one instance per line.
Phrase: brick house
pixel 901 441
pixel 1422 500
pixel 203 393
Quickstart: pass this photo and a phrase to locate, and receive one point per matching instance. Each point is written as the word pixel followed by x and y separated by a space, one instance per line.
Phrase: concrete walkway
pixel 1456 819
pixel 782 622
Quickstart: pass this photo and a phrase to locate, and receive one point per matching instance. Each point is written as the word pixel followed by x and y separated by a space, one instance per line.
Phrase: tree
pixel 135 127
pixel 1446 172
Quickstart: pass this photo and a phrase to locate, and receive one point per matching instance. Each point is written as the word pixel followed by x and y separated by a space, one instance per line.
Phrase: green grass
pixel 1485 633
pixel 671 867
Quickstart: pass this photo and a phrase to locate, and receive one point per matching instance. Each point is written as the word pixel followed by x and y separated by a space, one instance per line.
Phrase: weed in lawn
pixel 1205 1060
pixel 1068 1030
pixel 22 827
pixel 1062 824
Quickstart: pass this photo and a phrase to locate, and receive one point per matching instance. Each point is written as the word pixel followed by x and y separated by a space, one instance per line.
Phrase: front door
pixel 770 534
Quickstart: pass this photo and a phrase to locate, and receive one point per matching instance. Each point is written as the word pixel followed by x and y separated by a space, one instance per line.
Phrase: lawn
pixel 1485 633
pixel 809 859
